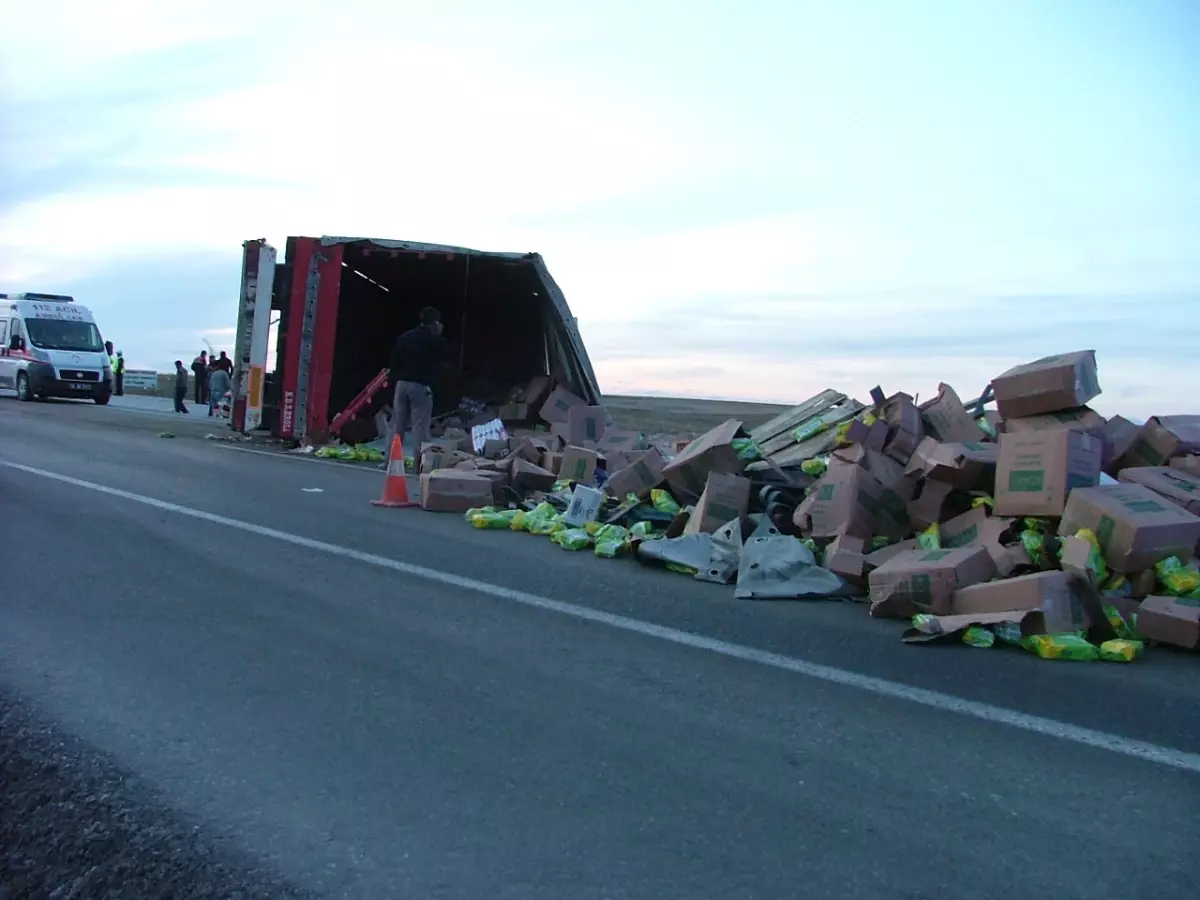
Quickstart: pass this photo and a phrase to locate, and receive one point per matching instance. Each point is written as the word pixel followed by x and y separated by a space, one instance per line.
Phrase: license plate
pixel 79 385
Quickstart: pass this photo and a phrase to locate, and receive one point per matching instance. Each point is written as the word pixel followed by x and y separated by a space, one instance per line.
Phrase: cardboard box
pixel 1189 464
pixel 1170 620
pixel 552 461
pixel 586 424
pixel 1119 436
pixel 1176 485
pixel 1049 592
pixel 1081 419
pixel 947 420
pixel 451 490
pixel 725 498
pixel 877 558
pixel 929 504
pixel 850 500
pixel 925 580
pixel 525 448
pixel 616 440
pixel 579 464
pixel 1036 472
pixel 514 412
pixel 495 448
pixel 906 428
pixel 1135 526
pixel 536 391
pixel 642 474
pixel 558 406
pixel 846 556
pixel 436 455
pixel 713 451
pixel 584 507
pixel 1047 385
pixel 527 476
pixel 1076 552
pixel 1161 438
pixel 967 466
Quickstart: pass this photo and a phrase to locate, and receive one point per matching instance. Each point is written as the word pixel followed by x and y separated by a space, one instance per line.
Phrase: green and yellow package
pixel 978 636
pixel 1176 578
pixel 1120 650
pixel 662 500
pixel 572 539
pixel 1060 646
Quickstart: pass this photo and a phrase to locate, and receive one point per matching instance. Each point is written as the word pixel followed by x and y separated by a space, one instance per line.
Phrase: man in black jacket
pixel 417 360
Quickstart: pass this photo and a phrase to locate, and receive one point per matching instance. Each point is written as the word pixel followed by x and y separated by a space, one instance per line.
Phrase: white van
pixel 51 347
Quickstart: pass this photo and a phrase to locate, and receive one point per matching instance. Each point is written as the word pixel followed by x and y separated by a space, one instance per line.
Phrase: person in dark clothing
pixel 223 362
pixel 200 371
pixel 417 360
pixel 180 386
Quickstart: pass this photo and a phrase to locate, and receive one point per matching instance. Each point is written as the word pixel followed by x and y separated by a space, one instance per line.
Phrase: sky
pixel 752 201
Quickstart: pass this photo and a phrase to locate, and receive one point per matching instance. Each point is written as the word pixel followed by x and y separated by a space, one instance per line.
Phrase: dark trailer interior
pixel 504 317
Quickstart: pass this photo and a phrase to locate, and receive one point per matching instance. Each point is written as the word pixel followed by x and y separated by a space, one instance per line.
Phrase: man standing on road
pixel 223 362
pixel 180 386
pixel 200 370
pixel 218 384
pixel 119 374
pixel 417 359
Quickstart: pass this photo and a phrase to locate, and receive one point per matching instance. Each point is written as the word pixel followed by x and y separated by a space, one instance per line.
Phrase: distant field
pixel 654 415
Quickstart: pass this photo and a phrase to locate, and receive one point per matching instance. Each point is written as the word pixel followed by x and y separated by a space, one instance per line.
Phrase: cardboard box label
pixel 1027 481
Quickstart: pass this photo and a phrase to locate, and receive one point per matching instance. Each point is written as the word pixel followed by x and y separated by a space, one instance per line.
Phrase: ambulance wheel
pixel 23 391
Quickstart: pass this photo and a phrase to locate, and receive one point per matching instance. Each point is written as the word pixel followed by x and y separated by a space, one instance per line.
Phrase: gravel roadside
pixel 74 826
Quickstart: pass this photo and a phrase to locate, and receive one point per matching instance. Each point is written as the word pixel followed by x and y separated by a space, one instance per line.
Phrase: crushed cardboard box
pixel 924 581
pixel 1136 527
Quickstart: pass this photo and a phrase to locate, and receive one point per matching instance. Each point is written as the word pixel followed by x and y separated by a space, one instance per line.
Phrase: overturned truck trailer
pixel 340 302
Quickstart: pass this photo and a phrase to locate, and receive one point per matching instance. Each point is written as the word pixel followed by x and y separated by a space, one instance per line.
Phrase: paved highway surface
pixel 387 703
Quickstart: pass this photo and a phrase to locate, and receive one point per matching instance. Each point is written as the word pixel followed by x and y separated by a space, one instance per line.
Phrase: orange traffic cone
pixel 395 486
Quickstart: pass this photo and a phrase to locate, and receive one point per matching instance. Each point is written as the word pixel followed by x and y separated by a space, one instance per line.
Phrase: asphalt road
pixel 388 703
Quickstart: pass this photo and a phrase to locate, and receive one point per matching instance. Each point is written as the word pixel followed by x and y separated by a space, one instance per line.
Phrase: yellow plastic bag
pixel 1060 646
pixel 1121 650
pixel 815 467
pixel 542 519
pixel 930 538
pixel 662 500
pixel 496 519
pixel 1176 578
pixel 572 539
pixel 611 540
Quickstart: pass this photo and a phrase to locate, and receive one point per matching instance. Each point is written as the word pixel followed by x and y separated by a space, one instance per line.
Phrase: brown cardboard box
pixel 929 504
pixel 725 498
pixel 1135 526
pixel 435 455
pixel 1081 419
pixel 975 528
pixel 1161 438
pixel 496 448
pixel 845 556
pixel 1036 472
pixel 947 420
pixel 616 440
pixel 1074 560
pixel 525 448
pixel 579 464
pixel 850 500
pixel 1047 385
pixel 552 461
pixel 1119 436
pixel 967 466
pixel 904 420
pixel 1189 464
pixel 558 406
pixel 450 490
pixel 886 470
pixel 514 412
pixel 586 424
pixel 1170 620
pixel 877 558
pixel 1049 592
pixel 536 391
pixel 559 431
pixel 1176 485
pixel 527 476
pixel 713 451
pixel 642 474
pixel 925 580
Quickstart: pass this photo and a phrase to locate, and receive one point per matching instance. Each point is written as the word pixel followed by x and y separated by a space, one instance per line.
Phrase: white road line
pixel 305 457
pixel 1143 750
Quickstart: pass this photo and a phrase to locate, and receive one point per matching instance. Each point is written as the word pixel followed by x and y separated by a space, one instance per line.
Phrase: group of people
pixel 212 378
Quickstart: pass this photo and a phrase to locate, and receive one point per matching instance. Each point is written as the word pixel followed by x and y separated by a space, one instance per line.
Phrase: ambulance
pixel 50 347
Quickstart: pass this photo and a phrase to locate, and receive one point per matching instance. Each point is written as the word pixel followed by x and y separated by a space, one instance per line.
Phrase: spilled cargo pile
pixel 1020 517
